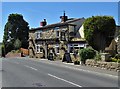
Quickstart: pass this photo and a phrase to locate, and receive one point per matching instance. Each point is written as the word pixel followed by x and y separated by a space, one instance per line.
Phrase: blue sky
pixel 34 12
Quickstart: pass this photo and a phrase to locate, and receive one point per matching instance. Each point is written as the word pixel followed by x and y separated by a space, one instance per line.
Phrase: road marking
pixel 84 70
pixel 64 80
pixel 30 67
pixel 88 71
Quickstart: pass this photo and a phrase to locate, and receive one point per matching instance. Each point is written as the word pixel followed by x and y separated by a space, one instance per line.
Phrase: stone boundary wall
pixel 9 55
pixel 104 65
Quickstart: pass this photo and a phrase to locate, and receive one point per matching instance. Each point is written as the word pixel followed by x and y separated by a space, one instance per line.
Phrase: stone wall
pixel 118 46
pixel 31 44
pixel 9 55
pixel 103 65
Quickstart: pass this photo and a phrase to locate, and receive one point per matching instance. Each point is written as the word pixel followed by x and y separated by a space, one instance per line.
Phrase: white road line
pixel 88 71
pixel 84 70
pixel 64 80
pixel 30 67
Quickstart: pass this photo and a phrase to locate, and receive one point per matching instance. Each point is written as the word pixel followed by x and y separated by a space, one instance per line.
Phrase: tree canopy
pixel 17 44
pixel 99 31
pixel 15 28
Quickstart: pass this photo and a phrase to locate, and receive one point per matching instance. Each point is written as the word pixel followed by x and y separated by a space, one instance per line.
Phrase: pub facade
pixel 56 38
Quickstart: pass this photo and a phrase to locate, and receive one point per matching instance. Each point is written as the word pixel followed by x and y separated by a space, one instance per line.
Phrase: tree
pixel 15 28
pixel 99 31
pixel 17 44
pixel 3 51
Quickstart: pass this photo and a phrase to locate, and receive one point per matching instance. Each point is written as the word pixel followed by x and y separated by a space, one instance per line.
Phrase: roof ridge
pixel 59 23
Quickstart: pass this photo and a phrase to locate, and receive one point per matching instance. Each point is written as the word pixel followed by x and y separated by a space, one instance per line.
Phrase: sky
pixel 35 12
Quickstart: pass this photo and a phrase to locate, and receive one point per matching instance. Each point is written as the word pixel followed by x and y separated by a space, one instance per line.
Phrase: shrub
pixel 13 51
pixel 77 62
pixel 118 60
pixel 18 51
pixel 98 56
pixel 113 60
pixel 117 56
pixel 87 53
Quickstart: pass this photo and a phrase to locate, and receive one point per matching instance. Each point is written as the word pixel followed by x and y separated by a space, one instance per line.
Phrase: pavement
pixel 28 72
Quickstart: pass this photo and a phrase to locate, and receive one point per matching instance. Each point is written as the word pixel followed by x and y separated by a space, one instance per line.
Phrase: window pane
pixel 76 47
pixel 41 49
pixel 57 49
pixel 71 49
pixel 62 35
pixel 81 47
pixel 40 35
pixel 37 48
pixel 57 33
pixel 37 35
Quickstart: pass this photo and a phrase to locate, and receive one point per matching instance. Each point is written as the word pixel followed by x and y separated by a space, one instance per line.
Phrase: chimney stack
pixel 64 18
pixel 43 23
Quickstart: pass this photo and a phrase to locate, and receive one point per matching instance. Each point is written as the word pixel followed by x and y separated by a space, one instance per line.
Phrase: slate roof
pixel 58 24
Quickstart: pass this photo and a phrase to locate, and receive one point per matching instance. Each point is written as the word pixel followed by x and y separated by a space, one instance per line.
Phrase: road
pixel 17 72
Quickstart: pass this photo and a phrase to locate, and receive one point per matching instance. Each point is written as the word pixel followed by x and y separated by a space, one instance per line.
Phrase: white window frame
pixel 75 45
pixel 38 50
pixel 69 47
pixel 41 49
pixel 57 34
pixel 57 46
pixel 38 35
pixel 63 36
pixel 57 30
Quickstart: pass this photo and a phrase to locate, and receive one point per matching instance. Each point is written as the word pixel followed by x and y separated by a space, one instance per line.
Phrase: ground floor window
pixel 57 49
pixel 39 48
pixel 72 47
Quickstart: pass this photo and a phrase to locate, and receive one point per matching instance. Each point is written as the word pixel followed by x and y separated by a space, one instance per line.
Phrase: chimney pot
pixel 64 18
pixel 43 23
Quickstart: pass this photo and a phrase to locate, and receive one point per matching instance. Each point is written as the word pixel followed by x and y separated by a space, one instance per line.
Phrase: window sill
pixel 39 52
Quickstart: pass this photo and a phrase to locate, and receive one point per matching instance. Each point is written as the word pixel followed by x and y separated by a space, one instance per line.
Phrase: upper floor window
pixel 63 36
pixel 57 33
pixel 56 28
pixel 38 35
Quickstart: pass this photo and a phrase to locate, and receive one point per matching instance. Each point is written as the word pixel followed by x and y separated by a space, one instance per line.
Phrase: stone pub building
pixel 56 38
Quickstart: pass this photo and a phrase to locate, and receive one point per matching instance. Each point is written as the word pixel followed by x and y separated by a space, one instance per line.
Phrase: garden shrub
pixel 98 56
pixel 117 56
pixel 87 53
pixel 76 62
pixel 115 60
